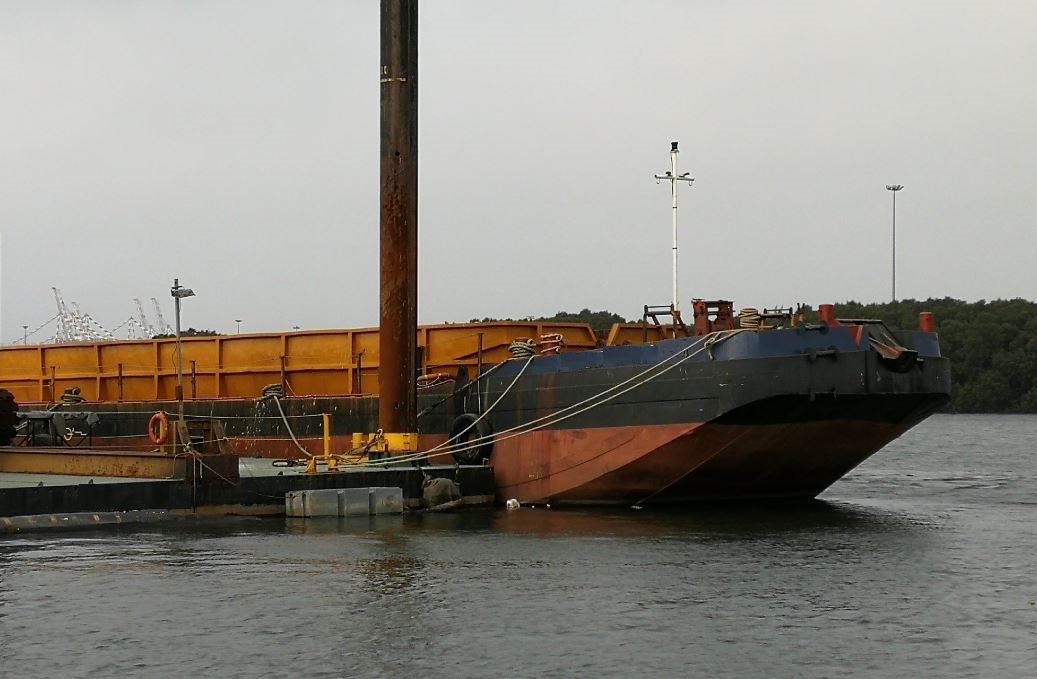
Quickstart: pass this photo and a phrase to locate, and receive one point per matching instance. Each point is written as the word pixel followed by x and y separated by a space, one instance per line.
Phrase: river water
pixel 922 562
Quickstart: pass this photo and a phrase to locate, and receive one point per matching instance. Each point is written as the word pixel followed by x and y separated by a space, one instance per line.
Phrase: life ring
pixel 158 428
pixel 467 427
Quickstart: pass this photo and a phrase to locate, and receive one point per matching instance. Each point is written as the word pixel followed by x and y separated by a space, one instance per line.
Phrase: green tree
pixel 992 347
pixel 598 320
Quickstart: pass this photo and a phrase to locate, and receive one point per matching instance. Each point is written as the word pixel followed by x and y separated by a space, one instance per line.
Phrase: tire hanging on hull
pixel 468 427
pixel 8 417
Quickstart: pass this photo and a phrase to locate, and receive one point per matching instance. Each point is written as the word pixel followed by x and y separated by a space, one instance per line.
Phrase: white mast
pixel 673 178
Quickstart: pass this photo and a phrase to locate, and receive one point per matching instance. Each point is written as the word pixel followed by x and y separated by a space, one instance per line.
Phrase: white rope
pixel 485 412
pixel 563 414
pixel 289 428
pixel 709 341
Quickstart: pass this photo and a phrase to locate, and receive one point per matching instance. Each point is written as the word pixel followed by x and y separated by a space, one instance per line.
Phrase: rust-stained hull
pixel 681 463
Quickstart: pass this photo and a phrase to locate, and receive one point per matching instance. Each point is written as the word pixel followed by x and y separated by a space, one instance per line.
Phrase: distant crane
pixel 142 331
pixel 142 321
pixel 130 323
pixel 76 326
pixel 65 328
pixel 72 327
pixel 92 330
pixel 161 319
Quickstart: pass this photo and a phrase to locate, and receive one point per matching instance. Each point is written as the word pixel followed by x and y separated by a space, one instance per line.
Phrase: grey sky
pixel 235 145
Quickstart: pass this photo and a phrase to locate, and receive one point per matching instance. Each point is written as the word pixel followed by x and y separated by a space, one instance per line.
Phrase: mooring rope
pixel 708 343
pixel 287 426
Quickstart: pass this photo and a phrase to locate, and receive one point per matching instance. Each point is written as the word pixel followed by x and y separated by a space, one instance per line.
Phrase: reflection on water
pixel 921 559
pixel 734 521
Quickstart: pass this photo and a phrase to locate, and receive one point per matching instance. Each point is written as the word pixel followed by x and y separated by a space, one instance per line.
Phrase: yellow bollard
pixel 327 435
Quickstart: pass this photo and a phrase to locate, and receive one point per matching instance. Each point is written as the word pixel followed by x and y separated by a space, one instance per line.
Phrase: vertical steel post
pixel 398 313
pixel 478 374
pixel 894 294
pixel 673 178
pixel 284 378
pixel 673 191
pixel 894 188
pixel 179 361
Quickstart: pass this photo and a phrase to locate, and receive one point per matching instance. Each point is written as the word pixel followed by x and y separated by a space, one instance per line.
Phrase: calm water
pixel 923 562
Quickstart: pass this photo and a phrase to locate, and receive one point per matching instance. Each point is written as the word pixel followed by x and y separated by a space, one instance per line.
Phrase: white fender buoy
pixel 512 504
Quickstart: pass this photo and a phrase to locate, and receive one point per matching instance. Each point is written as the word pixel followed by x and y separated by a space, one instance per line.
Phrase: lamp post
pixel 238 321
pixel 894 188
pixel 673 178
pixel 25 335
pixel 179 292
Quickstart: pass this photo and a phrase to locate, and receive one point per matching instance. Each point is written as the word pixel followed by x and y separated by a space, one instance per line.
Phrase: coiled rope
pixel 522 348
pixel 749 318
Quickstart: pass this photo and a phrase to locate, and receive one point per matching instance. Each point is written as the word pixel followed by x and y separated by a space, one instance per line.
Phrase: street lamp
pixel 238 321
pixel 25 335
pixel 179 292
pixel 894 188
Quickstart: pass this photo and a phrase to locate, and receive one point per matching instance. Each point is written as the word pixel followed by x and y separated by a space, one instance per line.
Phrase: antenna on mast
pixel 673 178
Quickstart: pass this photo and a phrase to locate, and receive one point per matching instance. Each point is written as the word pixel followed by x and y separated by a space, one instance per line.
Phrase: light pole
pixel 673 178
pixel 25 335
pixel 238 321
pixel 894 188
pixel 178 292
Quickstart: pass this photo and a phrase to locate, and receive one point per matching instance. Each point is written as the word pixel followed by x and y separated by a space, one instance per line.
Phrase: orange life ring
pixel 434 380
pixel 158 428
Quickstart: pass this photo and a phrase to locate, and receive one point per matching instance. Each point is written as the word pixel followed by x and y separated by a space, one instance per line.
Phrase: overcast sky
pixel 234 145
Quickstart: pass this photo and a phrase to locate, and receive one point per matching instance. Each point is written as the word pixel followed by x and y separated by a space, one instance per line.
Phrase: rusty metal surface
pixel 83 462
pixel 398 310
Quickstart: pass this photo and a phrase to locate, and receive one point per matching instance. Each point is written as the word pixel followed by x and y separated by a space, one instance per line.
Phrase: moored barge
pixel 730 408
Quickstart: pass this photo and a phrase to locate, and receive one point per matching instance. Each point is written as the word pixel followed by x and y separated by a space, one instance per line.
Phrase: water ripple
pixel 923 558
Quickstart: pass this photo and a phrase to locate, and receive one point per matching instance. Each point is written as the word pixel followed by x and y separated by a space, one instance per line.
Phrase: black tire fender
pixel 468 427
pixel 8 417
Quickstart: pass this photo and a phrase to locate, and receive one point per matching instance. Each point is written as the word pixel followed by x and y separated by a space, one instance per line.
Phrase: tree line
pixel 992 347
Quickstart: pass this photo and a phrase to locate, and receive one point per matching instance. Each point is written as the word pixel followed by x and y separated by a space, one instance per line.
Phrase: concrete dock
pixel 259 490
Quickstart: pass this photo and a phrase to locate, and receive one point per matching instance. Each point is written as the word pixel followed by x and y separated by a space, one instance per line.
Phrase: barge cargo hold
pixel 728 412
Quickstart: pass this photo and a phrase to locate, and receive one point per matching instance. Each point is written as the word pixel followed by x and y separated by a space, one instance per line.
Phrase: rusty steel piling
pixel 398 313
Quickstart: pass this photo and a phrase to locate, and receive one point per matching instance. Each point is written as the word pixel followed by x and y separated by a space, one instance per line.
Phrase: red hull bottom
pixel 678 463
